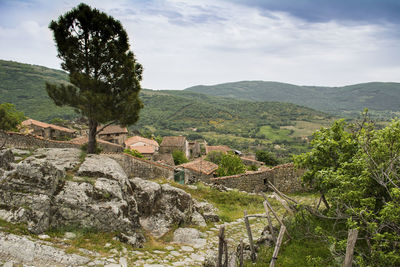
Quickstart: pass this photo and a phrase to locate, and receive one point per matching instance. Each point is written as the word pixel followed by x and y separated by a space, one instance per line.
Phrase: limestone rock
pixel 198 220
pixel 161 206
pixel 6 157
pixel 189 236
pixel 22 250
pixel 101 166
pixel 38 193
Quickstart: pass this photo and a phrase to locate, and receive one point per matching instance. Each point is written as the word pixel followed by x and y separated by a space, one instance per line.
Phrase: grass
pixel 230 204
pixel 275 135
pixel 86 238
pixel 14 228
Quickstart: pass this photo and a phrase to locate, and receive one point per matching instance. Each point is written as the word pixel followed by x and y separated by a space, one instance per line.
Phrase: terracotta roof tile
pixel 200 165
pixel 113 129
pixel 136 139
pixel 145 149
pixel 46 125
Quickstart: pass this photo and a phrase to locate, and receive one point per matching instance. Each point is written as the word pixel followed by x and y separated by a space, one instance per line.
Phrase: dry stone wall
pixel 284 177
pixel 145 169
pixel 28 141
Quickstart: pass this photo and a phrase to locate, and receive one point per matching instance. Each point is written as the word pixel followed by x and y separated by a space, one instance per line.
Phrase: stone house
pixel 171 143
pixel 113 134
pixel 147 147
pixel 198 170
pixel 194 149
pixel 46 130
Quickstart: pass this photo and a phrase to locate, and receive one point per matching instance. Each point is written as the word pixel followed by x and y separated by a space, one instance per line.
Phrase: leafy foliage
pixel 357 168
pixel 133 152
pixel 179 157
pixel 104 74
pixel 10 118
pixel 267 157
pixel 230 164
pixel 215 157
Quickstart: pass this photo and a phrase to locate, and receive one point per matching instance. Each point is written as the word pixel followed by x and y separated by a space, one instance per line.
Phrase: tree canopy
pixel 357 168
pixel 104 74
pixel 10 118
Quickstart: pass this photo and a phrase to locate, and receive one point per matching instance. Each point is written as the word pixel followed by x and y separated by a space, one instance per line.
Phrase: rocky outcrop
pixel 21 250
pixel 161 206
pixel 40 192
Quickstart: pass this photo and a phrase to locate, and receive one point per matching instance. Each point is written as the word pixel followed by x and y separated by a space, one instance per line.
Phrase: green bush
pixel 179 157
pixel 10 118
pixel 230 165
pixel 133 152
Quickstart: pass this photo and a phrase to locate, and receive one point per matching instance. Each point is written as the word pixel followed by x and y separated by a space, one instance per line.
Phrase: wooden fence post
pixel 277 246
pixel 221 237
pixel 271 229
pixel 226 253
pixel 246 221
pixel 241 253
pixel 274 213
pixel 351 242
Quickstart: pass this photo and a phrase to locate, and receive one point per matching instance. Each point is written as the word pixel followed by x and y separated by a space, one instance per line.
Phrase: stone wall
pixel 20 140
pixel 145 169
pixel 28 141
pixel 284 177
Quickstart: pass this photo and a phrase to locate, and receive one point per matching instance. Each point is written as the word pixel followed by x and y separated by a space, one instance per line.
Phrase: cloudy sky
pixel 185 43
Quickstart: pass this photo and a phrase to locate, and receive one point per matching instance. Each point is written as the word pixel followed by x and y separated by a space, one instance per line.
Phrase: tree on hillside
pixel 10 118
pixel 103 71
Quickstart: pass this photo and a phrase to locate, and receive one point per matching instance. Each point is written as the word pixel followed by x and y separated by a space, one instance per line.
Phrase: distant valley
pixel 244 115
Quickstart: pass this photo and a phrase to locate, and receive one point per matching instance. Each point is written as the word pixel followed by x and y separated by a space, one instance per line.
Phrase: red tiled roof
pixel 112 129
pixel 217 148
pixel 173 141
pixel 136 139
pixel 144 149
pixel 200 165
pixel 46 125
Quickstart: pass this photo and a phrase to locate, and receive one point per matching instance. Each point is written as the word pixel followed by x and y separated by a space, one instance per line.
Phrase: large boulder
pixel 40 192
pixel 161 206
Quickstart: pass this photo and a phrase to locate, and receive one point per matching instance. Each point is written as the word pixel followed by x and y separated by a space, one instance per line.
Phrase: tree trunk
pixel 91 148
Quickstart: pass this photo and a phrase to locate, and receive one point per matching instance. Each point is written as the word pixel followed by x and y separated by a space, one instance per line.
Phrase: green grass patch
pixel 87 238
pixel 14 228
pixel 230 204
pixel 275 135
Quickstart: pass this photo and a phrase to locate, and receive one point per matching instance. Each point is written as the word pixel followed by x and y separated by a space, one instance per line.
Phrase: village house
pixel 171 143
pixel 113 134
pixel 147 147
pixel 46 130
pixel 198 170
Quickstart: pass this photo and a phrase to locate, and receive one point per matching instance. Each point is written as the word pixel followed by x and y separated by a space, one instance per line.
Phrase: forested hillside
pixel 382 99
pixel 237 123
pixel 24 86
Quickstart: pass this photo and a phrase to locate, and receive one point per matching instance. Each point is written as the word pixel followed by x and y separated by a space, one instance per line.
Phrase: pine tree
pixel 104 75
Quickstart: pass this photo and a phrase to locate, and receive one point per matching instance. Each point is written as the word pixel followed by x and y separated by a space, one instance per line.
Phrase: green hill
pixel 24 86
pixel 380 98
pixel 238 123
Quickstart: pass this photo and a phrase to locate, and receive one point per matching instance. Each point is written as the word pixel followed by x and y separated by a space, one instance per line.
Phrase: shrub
pixel 179 157
pixel 133 152
pixel 230 165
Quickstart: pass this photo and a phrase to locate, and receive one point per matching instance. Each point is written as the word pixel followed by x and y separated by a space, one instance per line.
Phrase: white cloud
pixel 183 43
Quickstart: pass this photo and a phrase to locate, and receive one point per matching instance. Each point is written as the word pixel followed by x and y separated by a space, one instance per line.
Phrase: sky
pixel 187 43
